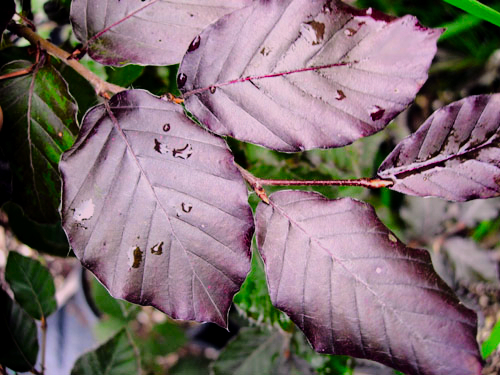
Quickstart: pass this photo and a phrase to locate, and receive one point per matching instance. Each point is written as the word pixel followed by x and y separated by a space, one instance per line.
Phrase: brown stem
pixel 258 184
pixel 44 342
pixel 101 87
pixel 17 73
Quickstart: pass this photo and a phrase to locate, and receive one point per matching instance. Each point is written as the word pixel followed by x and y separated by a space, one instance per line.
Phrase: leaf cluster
pixel 154 187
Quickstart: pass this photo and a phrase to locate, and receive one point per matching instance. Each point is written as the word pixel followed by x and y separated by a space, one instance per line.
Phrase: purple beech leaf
pixel 299 74
pixel 355 289
pixel 154 206
pixel 454 154
pixel 464 263
pixel 147 32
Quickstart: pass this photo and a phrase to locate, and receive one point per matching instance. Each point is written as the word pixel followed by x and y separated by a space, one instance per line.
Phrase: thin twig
pixel 101 87
pixel 44 342
pixel 257 184
pixel 17 73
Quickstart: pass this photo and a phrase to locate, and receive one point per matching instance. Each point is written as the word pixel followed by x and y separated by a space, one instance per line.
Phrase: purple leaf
pixel 463 262
pixel 299 74
pixel 453 155
pixel 148 32
pixel 355 289
pixel 155 207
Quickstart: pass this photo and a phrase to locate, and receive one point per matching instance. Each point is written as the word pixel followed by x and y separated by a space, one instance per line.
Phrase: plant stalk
pixel 258 184
pixel 101 87
pixel 44 342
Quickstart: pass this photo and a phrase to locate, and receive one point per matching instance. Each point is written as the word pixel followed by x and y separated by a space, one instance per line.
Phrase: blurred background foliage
pixel 462 238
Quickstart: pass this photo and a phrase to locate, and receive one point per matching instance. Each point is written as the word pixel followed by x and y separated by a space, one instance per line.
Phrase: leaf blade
pixel 43 99
pixel 296 75
pixel 32 284
pixel 116 356
pixel 146 193
pixel 453 155
pixel 147 33
pixel 258 351
pixel 19 342
pixel 353 288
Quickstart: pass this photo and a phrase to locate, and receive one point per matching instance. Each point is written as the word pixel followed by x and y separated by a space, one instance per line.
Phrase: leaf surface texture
pixel 150 32
pixel 355 289
pixel 156 208
pixel 39 125
pixel 299 74
pixel 454 154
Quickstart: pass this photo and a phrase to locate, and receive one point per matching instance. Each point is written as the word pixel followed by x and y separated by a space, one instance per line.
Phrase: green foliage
pixel 117 356
pixel 47 238
pixel 490 345
pixel 117 313
pixel 257 351
pixel 477 9
pixel 253 298
pixel 39 125
pixel 19 343
pixel 32 285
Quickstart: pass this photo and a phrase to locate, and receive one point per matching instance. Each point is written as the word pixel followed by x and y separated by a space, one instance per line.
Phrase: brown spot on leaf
pixel 319 29
pixel 340 95
pixel 157 249
pixel 137 254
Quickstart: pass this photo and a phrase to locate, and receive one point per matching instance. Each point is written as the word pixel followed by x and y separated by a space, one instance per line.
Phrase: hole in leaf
pixel 183 153
pixel 186 207
pixel 157 249
pixel 376 112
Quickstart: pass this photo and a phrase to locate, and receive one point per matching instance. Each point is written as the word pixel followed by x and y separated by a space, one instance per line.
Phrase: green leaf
pixel 256 351
pixel 253 298
pixel 32 285
pixel 116 308
pixel 118 356
pixel 124 76
pixel 47 238
pixel 39 124
pixel 490 345
pixel 18 333
pixel 164 338
pixel 477 9
pixel 463 23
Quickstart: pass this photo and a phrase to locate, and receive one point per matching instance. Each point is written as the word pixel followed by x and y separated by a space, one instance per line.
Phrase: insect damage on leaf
pixel 296 75
pixel 146 172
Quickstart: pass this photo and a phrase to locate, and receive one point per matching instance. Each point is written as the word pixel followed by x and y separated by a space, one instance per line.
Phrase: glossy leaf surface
pixel 117 356
pixel 39 124
pixel 258 351
pixel 355 289
pixel 32 284
pixel 454 154
pixel 148 32
pixel 19 343
pixel 300 74
pixel 155 207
